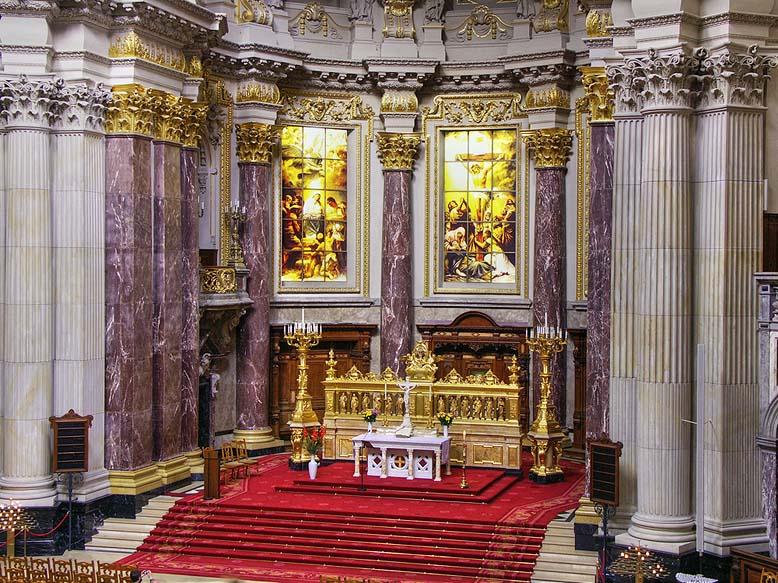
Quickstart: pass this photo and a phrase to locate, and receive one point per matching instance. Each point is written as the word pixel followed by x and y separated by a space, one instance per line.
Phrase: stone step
pixel 541 576
pixel 118 545
pixel 145 520
pixel 563 548
pixel 158 512
pixel 128 535
pixel 560 539
pixel 111 525
pixel 562 560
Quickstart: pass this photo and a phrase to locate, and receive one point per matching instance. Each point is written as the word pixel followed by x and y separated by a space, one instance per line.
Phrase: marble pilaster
pixel 190 286
pixel 167 302
pixel 397 153
pixel 253 351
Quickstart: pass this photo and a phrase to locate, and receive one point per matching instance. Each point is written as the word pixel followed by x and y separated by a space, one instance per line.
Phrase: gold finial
pixel 420 363
pixel 514 369
pixel 599 94
pixel 397 151
pixel 331 365
pixel 255 142
pixel 550 146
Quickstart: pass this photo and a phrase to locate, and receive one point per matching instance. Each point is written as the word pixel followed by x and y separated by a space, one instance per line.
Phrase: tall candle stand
pixel 303 336
pixel 236 216
pixel 546 435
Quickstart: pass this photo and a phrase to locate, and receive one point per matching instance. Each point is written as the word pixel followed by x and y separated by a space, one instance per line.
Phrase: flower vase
pixel 370 427
pixel 313 467
pixel 445 431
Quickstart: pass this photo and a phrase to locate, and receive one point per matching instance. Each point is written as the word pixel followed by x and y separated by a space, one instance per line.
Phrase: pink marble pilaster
pixel 549 289
pixel 253 350
pixel 167 282
pixel 128 303
pixel 396 270
pixel 190 287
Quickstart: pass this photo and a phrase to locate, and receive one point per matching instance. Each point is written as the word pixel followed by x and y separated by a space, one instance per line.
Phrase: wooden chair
pixel 243 455
pixel 61 571
pixel 83 572
pixel 230 461
pixel 768 576
pixel 108 573
pixel 39 571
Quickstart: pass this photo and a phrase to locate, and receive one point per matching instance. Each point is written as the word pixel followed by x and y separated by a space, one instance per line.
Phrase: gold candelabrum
pixel 546 435
pixel 638 563
pixel 236 216
pixel 13 518
pixel 303 336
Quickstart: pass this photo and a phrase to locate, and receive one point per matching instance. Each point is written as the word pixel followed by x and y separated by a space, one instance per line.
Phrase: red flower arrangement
pixel 313 439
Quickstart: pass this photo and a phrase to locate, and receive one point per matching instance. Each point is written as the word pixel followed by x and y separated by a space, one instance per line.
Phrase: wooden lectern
pixel 211 473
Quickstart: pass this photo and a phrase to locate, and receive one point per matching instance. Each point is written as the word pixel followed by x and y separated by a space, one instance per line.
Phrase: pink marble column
pixel 128 303
pixel 599 268
pixel 548 300
pixel 167 284
pixel 396 270
pixel 190 283
pixel 253 350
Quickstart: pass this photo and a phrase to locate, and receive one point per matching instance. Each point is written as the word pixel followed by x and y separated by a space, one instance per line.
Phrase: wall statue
pixel 525 9
pixel 361 10
pixel 434 11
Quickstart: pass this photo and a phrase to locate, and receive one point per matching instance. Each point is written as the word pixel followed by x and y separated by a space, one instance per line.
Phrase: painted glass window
pixel 313 204
pixel 479 222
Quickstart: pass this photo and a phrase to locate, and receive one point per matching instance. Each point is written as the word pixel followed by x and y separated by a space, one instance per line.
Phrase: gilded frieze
pixel 131 46
pixel 547 98
pixel 259 92
pixel 323 109
pixel 473 109
pixel 218 280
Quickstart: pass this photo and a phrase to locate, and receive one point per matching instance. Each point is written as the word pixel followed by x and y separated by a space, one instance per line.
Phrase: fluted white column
pixel 28 325
pixel 78 227
pixel 2 280
pixel 728 203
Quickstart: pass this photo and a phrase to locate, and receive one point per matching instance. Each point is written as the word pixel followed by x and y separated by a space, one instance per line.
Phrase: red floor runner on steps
pixel 279 526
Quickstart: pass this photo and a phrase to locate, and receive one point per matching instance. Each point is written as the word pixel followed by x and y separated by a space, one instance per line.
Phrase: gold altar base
pixel 546 451
pixel 300 457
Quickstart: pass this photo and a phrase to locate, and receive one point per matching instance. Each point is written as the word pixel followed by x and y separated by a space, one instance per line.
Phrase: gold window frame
pixel 480 111
pixel 332 111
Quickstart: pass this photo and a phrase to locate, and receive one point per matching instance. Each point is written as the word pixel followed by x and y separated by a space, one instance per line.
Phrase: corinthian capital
pixel 32 103
pixel 131 110
pixel 550 147
pixel 255 142
pixel 599 94
pixel 397 151
pixel 738 79
pixel 85 108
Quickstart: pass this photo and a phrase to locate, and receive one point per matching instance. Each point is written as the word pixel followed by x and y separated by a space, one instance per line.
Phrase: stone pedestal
pixel 431 45
pixel 362 45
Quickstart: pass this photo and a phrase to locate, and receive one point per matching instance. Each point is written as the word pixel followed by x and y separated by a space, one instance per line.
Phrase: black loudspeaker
pixel 70 453
pixel 604 456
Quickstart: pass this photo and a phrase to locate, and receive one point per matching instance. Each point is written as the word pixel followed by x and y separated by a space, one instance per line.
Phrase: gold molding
pixel 173 470
pixel 397 151
pixel 259 92
pixel 218 280
pixel 255 142
pixel 583 133
pixel 134 482
pixel 475 108
pixel 599 94
pixel 549 147
pixel 131 111
pixel 131 46
pixel 547 98
pixel 325 108
pixel 597 23
pixel 395 101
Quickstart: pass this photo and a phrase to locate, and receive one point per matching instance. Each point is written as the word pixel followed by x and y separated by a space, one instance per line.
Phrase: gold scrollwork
pixel 255 142
pixel 253 11
pixel 597 23
pixel 218 280
pixel 394 101
pixel 315 20
pixel 321 109
pixel 397 151
pixel 482 23
pixel 476 109
pixel 195 67
pixel 259 91
pixel 547 98
pixel 552 16
pixel 550 147
pixel 132 46
pixel 599 94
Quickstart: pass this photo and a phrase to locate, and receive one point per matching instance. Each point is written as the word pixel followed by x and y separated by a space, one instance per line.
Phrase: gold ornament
pixel 195 67
pixel 131 46
pixel 398 21
pixel 548 98
pixel 397 151
pixel 218 280
pixel 550 147
pixel 131 111
pixel 597 23
pixel 420 363
pixel 253 11
pixel 193 116
pixel 255 142
pixel 262 92
pixel 168 121
pixel 552 16
pixel 394 101
pixel 599 94
pixel 482 23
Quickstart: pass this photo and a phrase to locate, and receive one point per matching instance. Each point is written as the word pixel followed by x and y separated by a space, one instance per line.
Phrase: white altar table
pixel 403 457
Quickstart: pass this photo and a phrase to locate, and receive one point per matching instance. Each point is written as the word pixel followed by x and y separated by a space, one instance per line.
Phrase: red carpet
pixel 279 526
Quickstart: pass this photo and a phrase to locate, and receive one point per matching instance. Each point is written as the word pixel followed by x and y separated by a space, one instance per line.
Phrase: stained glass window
pixel 313 204
pixel 479 206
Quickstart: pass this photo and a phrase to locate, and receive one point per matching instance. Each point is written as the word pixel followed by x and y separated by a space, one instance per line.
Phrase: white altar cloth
pixel 407 457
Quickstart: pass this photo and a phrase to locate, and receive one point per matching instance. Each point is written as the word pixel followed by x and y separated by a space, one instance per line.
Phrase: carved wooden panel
pixel 351 344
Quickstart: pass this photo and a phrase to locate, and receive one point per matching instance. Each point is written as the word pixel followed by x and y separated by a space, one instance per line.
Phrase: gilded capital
pixel 260 92
pixel 193 117
pixel 397 151
pixel 396 101
pixel 550 147
pixel 599 94
pixel 255 142
pixel 168 121
pixel 131 111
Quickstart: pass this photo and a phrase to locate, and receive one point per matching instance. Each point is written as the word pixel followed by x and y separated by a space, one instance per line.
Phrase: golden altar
pixel 484 407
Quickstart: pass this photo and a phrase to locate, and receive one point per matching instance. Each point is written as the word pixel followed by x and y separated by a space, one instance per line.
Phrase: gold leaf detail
pixel 599 94
pixel 218 280
pixel 550 147
pixel 397 151
pixel 255 142
pixel 548 98
pixel 131 46
pixel 262 92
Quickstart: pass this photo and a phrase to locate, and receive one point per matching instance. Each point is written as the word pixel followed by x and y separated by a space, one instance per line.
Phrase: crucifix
pixel 406 428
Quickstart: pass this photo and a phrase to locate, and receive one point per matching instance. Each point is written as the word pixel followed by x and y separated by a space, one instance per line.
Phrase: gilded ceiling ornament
pixel 253 11
pixel 398 19
pixel 193 120
pixel 394 101
pixel 131 110
pixel 597 23
pixel 483 23
pixel 547 98
pixel 313 19
pixel 550 147
pixel 397 151
pixel 552 16
pixel 321 109
pixel 218 280
pixel 475 109
pixel 131 46
pixel 255 142
pixel 259 91
pixel 599 94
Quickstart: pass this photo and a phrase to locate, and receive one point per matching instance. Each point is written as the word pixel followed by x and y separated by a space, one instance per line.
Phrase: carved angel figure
pixel 433 11
pixel 361 10
pixel 525 9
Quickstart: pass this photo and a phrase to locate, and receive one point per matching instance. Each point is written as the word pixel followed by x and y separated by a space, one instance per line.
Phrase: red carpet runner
pixel 279 526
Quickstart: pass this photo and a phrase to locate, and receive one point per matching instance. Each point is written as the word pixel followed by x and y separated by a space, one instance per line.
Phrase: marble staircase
pixel 558 561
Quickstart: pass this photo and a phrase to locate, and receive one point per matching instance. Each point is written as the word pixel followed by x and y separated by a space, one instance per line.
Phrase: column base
pixel 670 547
pixel 258 439
pixel 173 470
pixel 134 482
pixel 721 536
pixel 29 492
pixel 194 459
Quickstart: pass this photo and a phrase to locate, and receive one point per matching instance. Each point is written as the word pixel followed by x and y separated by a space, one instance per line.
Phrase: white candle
pixel 545 322
pixel 303 316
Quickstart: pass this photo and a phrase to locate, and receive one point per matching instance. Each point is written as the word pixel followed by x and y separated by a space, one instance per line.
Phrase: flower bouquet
pixel 369 415
pixel 445 420
pixel 313 441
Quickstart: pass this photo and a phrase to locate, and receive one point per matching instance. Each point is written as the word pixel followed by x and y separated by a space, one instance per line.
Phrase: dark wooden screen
pixel 770 243
pixel 70 453
pixel 604 457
